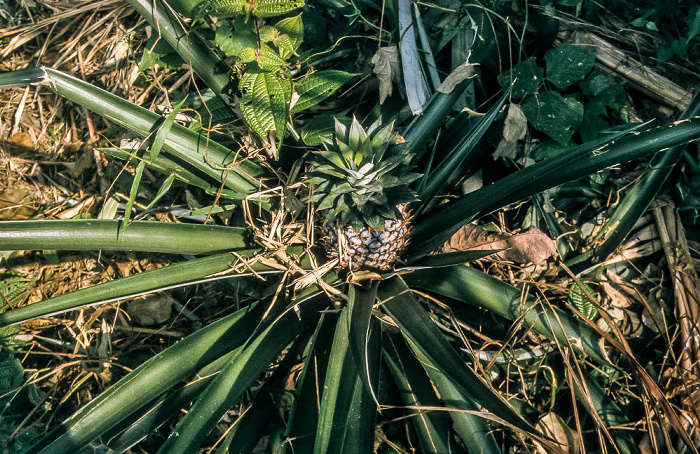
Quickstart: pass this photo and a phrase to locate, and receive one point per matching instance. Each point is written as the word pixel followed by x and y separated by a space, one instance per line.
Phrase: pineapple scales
pixel 362 190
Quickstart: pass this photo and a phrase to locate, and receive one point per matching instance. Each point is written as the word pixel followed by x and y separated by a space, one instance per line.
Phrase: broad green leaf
pixel 11 372
pixel 149 380
pixel 267 59
pixel 432 427
pixel 271 8
pixel 579 298
pixel 230 7
pixel 232 43
pixel 319 130
pixel 259 8
pixel 318 86
pixel 264 102
pixel 525 78
pixel 568 64
pixel 417 326
pixel 554 115
pixel 261 350
pixel 159 52
pixel 293 28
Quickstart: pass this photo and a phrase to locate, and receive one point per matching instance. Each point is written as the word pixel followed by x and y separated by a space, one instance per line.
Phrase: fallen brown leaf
pixel 530 246
pixel 150 309
pixel 552 425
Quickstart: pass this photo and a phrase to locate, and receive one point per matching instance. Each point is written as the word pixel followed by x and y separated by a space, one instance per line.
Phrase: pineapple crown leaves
pixel 362 177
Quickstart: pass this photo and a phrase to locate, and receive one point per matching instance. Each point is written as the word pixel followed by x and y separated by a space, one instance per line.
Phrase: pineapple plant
pixel 362 188
pixel 346 338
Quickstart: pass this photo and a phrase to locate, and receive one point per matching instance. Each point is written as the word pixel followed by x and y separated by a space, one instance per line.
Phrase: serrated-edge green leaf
pixel 318 86
pixel 292 27
pixel 271 8
pixel 265 101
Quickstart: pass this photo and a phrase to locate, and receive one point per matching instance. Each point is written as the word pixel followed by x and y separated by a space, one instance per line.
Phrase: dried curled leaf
pixel 530 246
pixel 554 427
pixel 387 67
pixel 514 129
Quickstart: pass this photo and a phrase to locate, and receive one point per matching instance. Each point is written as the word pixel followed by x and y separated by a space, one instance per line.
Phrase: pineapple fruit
pixel 362 190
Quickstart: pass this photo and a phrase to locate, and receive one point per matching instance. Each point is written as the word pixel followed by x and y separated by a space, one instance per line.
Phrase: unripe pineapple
pixel 361 187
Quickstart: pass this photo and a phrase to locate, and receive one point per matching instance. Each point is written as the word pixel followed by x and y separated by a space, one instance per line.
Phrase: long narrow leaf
pixel 339 382
pixel 250 426
pixel 360 303
pixel 303 419
pixel 436 227
pixel 104 235
pixel 132 196
pixel 362 416
pixel 638 199
pixel 262 349
pixel 437 179
pixel 347 415
pixel 417 326
pixel 193 49
pixel 474 287
pixel 432 427
pixel 130 286
pixel 208 156
pixel 150 417
pixel 169 165
pixel 417 90
pixel 164 130
pixel 164 188
pixel 148 381
pixel 423 127
pixel 472 429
